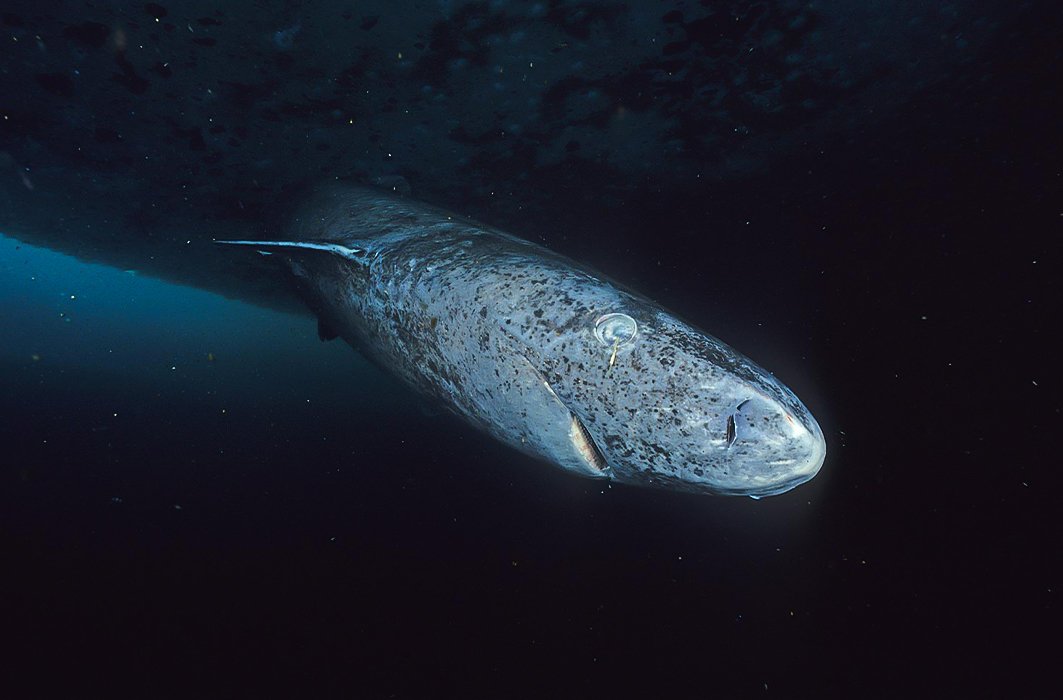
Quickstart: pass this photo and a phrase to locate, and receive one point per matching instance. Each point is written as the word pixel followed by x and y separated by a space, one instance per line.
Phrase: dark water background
pixel 199 498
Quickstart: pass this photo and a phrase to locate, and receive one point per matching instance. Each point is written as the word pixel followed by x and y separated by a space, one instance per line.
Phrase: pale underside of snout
pixel 761 449
pixel 763 455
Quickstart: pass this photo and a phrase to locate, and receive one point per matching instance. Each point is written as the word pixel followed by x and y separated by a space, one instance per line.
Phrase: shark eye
pixel 615 329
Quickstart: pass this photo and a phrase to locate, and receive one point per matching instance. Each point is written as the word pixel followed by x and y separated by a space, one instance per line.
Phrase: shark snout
pixel 762 419
pixel 777 446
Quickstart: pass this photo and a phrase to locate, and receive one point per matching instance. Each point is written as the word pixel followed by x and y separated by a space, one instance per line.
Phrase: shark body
pixel 541 352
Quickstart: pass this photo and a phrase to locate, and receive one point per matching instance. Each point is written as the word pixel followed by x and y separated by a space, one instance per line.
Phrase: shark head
pixel 661 403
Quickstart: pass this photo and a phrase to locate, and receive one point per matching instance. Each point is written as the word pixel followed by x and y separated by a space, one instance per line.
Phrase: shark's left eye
pixel 615 329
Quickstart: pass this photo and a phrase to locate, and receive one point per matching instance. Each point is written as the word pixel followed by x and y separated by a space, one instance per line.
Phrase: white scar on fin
pixel 581 441
pixel 578 437
pixel 335 248
pixel 577 432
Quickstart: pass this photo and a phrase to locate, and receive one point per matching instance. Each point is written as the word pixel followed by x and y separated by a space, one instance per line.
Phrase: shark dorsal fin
pixel 349 252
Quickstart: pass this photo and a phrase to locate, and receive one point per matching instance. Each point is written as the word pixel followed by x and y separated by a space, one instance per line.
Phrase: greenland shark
pixel 142 131
pixel 540 352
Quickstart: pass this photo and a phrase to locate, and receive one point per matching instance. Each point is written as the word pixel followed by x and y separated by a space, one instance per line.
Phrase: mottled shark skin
pixel 542 353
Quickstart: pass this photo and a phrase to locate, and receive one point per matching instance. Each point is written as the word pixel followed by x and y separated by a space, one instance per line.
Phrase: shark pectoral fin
pixel 546 425
pixel 562 435
pixel 590 456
